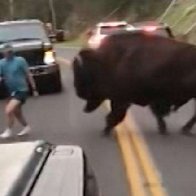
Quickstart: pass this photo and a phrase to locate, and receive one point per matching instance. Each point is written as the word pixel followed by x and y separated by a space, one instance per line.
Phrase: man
pixel 15 74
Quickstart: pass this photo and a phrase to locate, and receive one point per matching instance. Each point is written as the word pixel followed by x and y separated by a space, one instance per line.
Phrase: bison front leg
pixel 159 114
pixel 92 105
pixel 117 114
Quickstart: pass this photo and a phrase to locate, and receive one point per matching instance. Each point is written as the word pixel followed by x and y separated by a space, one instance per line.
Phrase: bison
pixel 137 68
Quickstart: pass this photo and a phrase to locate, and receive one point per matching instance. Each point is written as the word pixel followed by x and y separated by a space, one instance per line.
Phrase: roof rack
pixel 20 21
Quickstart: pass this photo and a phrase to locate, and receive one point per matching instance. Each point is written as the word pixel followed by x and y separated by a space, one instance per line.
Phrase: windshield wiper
pixel 3 41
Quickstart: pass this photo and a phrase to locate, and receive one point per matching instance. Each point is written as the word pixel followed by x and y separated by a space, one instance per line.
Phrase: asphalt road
pixel 59 119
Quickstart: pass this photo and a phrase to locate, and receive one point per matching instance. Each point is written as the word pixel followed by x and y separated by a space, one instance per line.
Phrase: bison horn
pixel 79 59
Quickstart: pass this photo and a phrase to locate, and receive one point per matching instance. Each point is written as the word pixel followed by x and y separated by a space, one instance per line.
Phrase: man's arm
pixel 32 83
pixel 1 74
pixel 30 78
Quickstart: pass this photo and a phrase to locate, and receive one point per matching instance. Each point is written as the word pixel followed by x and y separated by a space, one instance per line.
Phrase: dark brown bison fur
pixel 137 68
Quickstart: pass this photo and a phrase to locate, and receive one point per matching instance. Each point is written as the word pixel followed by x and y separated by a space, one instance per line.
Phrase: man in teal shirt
pixel 15 74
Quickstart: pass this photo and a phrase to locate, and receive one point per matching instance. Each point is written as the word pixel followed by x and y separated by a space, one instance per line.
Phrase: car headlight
pixel 49 57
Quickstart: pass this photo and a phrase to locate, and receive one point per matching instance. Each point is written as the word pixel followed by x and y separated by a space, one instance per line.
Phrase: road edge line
pixel 64 61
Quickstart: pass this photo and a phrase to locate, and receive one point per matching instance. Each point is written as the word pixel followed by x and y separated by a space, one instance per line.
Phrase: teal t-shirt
pixel 14 73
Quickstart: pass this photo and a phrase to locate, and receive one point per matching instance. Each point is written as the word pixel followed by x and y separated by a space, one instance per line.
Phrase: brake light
pixel 113 24
pixel 95 41
pixel 150 28
pixel 98 38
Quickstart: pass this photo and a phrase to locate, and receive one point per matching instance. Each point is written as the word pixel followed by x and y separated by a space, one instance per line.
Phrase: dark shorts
pixel 20 96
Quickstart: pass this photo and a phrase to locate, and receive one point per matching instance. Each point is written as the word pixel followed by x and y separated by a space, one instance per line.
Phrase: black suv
pixel 29 40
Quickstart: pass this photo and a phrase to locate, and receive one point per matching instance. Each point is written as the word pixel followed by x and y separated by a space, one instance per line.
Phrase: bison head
pixel 88 78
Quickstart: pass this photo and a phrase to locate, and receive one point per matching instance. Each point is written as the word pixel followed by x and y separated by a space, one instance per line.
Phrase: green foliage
pixel 77 15
pixel 181 18
pixel 86 11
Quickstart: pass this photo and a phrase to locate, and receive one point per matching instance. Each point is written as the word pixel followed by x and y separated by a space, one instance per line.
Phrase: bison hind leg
pixel 186 129
pixel 162 126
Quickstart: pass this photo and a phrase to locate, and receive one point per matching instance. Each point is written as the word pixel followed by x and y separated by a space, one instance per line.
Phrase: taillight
pixel 98 39
pixel 150 28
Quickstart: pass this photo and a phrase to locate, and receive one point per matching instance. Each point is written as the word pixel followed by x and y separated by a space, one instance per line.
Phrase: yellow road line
pixel 137 160
pixel 133 173
pixel 153 178
pixel 134 177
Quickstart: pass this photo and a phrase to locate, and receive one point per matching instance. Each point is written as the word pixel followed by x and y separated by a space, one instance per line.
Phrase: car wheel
pixel 90 181
pixel 57 84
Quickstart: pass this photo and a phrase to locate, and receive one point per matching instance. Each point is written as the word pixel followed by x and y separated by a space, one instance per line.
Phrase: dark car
pixel 29 40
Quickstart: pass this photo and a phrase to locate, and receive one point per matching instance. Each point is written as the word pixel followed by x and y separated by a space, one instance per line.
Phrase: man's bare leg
pixel 10 109
pixel 21 119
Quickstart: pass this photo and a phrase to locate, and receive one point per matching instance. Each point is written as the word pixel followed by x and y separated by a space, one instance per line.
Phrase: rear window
pixel 160 32
pixel 16 31
pixel 107 30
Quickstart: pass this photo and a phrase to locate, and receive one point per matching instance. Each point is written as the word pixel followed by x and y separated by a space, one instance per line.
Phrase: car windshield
pixel 107 30
pixel 22 32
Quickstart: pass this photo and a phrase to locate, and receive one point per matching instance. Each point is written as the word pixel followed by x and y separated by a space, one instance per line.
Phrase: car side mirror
pixel 89 33
pixel 52 38
pixel 60 35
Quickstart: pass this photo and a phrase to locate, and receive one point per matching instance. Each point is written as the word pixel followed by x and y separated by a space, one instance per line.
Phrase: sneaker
pixel 26 130
pixel 6 134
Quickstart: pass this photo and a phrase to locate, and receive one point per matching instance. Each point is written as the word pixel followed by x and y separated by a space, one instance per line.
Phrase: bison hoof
pixel 163 132
pixel 86 110
pixel 89 109
pixel 91 106
pixel 106 132
pixel 186 131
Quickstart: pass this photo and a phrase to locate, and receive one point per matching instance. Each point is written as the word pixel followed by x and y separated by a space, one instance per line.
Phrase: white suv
pixel 104 29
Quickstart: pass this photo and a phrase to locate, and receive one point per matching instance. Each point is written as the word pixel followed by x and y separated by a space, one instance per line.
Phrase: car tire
pixel 90 183
pixel 58 84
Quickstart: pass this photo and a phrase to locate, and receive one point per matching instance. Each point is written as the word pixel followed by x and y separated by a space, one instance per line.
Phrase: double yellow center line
pixel 143 177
